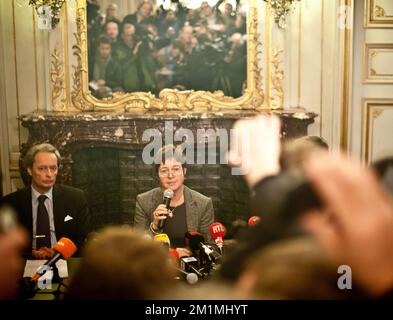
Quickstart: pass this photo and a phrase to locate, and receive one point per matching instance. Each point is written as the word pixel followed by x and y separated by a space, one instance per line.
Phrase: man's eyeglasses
pixel 46 168
pixel 176 171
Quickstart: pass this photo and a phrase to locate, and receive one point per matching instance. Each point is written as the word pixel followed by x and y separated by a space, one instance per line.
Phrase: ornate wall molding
pixel 276 97
pixel 378 67
pixel 378 14
pixel 373 110
pixel 57 80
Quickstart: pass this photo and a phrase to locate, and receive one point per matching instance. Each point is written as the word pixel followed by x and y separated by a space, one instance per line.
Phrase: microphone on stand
pixel 190 277
pixel 253 220
pixel 190 265
pixel 168 195
pixel 218 231
pixel 64 249
pixel 195 240
pixel 163 239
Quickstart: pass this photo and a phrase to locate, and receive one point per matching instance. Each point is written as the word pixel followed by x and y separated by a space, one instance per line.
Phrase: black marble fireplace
pixel 102 155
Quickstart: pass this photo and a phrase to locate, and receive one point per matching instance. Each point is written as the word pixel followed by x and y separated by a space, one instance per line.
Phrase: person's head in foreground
pixel 294 268
pixel 122 263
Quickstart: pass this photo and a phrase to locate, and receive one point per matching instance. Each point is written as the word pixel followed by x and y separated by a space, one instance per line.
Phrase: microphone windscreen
pixel 65 247
pixel 253 220
pixel 163 239
pixel 217 230
pixel 168 193
pixel 192 278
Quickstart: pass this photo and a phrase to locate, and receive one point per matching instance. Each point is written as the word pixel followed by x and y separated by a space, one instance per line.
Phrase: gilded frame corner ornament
pixel 169 99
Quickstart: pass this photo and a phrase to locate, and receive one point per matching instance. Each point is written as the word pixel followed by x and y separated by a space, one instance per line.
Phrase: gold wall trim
pixel 370 74
pixel 16 70
pixel 322 66
pixel 276 95
pixel 64 37
pixel 346 35
pixel 299 64
pixel 375 15
pixel 267 52
pixel 169 99
pixel 37 91
pixel 372 109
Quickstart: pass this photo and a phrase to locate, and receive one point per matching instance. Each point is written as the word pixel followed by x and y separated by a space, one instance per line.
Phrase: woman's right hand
pixel 160 213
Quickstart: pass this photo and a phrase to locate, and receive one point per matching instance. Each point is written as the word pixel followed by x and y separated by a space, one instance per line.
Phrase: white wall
pixel 23 80
pixel 313 64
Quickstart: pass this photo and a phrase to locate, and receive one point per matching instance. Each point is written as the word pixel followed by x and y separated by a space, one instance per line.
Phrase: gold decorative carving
pixel 376 112
pixel 57 79
pixel 376 16
pixel 169 99
pixel 277 76
pixel 379 12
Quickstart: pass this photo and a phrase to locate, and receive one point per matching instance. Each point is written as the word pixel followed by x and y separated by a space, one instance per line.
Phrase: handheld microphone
pixel 64 248
pixel 196 242
pixel 253 220
pixel 217 231
pixel 168 195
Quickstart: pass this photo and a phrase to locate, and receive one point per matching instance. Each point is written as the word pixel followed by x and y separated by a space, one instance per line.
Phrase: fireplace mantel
pixel 74 133
pixel 70 132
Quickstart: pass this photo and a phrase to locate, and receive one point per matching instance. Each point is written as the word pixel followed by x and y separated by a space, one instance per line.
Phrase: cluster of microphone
pixel 204 257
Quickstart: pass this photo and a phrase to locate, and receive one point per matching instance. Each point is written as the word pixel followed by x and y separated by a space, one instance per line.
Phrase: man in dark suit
pixel 46 210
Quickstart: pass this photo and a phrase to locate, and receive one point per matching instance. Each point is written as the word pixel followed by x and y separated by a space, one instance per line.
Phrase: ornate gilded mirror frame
pixel 169 99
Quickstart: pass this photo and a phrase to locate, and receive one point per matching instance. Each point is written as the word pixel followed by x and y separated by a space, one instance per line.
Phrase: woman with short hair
pixel 189 210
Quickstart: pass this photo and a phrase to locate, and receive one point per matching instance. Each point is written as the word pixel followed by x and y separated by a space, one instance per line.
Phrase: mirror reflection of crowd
pixel 182 48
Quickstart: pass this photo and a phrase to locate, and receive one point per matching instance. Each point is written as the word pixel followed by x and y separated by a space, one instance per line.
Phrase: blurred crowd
pixel 156 48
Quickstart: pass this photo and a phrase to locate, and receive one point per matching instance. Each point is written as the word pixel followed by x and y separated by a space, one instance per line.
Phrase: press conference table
pixel 58 288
